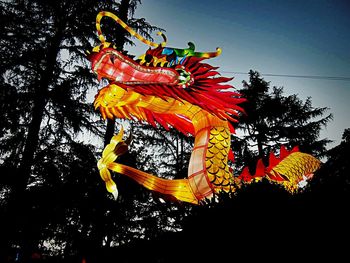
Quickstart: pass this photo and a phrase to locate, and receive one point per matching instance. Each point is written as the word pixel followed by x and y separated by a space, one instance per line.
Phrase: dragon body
pixel 174 87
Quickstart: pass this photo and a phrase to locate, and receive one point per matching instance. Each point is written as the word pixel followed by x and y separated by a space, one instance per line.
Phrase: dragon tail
pixel 291 169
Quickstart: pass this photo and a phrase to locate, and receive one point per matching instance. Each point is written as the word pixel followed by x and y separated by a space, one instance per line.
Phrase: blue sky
pixel 279 37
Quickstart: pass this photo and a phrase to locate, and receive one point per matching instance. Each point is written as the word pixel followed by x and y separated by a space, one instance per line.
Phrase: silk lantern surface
pixel 174 87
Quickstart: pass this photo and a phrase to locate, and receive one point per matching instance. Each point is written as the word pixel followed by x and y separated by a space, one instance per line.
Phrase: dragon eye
pixel 185 78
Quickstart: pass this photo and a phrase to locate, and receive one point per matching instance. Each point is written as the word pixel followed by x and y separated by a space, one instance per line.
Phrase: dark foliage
pixel 273 119
pixel 261 222
pixel 52 201
pixel 51 198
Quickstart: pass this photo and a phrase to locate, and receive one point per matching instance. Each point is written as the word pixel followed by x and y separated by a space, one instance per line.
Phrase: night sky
pixel 274 37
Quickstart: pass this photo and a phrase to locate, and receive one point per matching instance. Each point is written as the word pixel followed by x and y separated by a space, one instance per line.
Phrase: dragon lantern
pixel 175 87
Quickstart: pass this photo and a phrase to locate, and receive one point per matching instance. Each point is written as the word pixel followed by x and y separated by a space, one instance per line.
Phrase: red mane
pixel 207 91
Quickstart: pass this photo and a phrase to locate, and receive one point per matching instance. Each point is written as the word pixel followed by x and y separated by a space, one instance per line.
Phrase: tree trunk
pixel 260 146
pixel 40 101
pixel 16 206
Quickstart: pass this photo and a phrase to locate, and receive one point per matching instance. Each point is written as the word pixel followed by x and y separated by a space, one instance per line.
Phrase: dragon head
pixel 163 72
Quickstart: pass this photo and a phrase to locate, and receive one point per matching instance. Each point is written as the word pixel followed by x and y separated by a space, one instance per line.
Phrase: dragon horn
pixel 126 27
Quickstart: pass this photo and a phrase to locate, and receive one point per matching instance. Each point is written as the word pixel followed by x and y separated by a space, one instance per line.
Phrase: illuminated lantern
pixel 175 87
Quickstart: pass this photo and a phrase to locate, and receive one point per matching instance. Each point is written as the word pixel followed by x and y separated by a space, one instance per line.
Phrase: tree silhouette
pixel 44 84
pixel 272 119
pixel 51 196
pixel 58 204
pixel 333 179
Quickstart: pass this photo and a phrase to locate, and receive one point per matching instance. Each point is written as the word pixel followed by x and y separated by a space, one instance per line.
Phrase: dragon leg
pixel 175 189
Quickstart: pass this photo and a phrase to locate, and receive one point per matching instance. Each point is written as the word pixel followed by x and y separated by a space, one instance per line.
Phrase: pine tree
pixel 272 119
pixel 44 84
pixel 333 179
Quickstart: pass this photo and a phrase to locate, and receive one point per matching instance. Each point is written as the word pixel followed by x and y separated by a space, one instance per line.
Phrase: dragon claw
pixel 111 152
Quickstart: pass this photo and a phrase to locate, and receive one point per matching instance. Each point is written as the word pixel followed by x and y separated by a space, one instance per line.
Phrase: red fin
pixel 161 121
pixel 273 161
pixel 295 149
pixel 260 169
pixel 232 129
pixel 283 152
pixel 150 118
pixel 231 156
pixel 245 175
